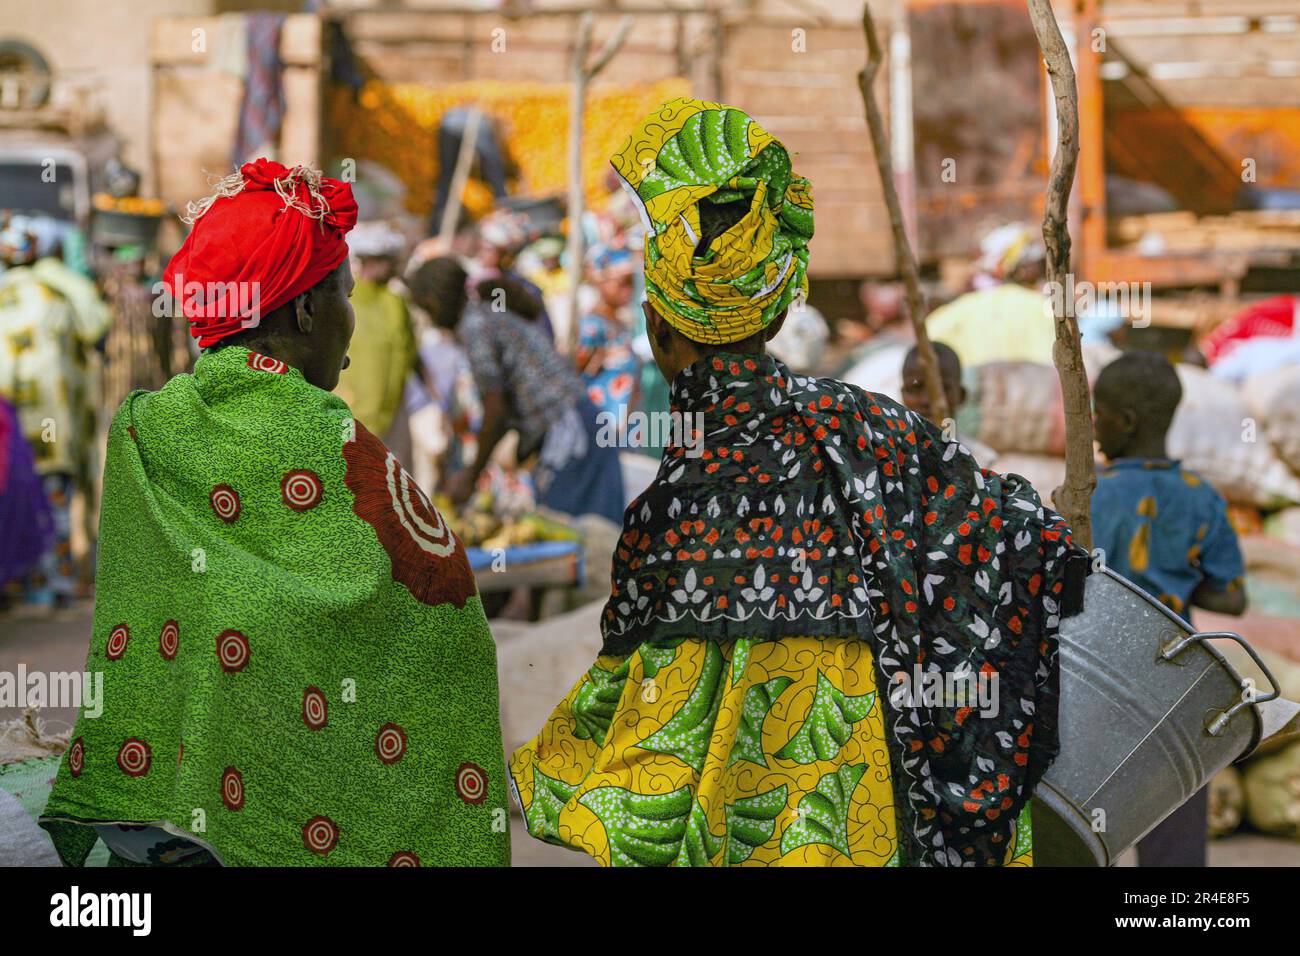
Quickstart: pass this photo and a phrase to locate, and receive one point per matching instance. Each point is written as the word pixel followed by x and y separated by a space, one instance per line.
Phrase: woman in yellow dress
pixel 831 638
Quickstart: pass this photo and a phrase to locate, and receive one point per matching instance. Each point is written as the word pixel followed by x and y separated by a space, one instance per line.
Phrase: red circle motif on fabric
pixel 232 789
pixel 117 641
pixel 320 835
pixel 264 363
pixel 225 502
pixel 233 651
pixel 76 757
pixel 390 743
pixel 427 557
pixel 471 783
pixel 169 640
pixel 134 757
pixel 315 708
pixel 403 858
pixel 301 489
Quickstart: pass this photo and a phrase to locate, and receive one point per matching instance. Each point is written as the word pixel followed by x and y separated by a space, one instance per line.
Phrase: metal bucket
pixel 1149 713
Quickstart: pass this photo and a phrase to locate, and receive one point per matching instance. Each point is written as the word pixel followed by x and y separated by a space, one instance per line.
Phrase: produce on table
pixel 479 525
pixel 528 529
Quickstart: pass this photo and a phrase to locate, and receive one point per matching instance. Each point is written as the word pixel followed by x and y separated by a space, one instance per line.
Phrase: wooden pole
pixel 582 74
pixel 1092 164
pixel 902 247
pixel 459 176
pixel 1073 499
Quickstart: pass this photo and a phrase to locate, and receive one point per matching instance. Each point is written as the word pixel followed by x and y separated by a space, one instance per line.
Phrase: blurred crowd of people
pixel 465 360
pixel 52 318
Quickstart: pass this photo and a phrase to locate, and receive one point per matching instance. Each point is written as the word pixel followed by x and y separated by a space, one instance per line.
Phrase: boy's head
pixel 916 396
pixel 1134 401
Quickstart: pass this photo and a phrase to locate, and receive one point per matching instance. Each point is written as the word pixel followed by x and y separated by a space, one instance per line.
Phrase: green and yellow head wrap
pixel 688 151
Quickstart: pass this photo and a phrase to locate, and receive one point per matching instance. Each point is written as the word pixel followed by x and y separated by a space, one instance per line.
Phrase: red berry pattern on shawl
pixel 404 858
pixel 426 555
pixel 813 507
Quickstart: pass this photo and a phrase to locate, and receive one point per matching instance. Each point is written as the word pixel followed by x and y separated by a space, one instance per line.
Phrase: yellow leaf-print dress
pixel 696 753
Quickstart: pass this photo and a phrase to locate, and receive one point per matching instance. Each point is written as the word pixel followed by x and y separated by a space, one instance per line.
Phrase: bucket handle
pixel 1174 648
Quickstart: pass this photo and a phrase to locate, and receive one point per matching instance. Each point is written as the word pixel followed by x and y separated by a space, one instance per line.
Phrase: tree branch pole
pixel 1074 498
pixel 939 410
pixel 582 74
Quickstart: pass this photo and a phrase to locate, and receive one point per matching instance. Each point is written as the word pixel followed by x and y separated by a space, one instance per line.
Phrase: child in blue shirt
pixel 1165 529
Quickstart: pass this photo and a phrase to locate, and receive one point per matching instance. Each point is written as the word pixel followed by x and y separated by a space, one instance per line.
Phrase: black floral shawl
pixel 812 507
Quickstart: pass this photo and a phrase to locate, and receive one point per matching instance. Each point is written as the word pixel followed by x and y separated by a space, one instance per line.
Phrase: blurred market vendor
pixel 502 235
pixel 290 636
pixel 540 263
pixel 605 360
pixel 26 522
pixel 1006 317
pixel 51 317
pixel 382 351
pixel 524 385
pixel 779 598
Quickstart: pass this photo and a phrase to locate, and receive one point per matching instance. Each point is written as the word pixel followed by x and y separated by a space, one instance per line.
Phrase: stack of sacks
pixel 1274 400
pixel 1227 802
pixel 1269 799
pixel 1272 789
pixel 1017 407
pixel 1216 435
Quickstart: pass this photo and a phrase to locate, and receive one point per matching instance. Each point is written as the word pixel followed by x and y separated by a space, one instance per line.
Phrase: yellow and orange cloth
pixel 690 151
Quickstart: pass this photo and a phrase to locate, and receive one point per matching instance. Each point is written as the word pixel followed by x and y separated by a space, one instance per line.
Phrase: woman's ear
pixel 303 311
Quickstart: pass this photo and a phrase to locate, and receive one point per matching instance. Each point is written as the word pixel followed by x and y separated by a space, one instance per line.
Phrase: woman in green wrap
pixel 831 638
pixel 297 667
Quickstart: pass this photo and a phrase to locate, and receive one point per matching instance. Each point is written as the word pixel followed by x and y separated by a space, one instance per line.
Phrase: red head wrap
pixel 269 234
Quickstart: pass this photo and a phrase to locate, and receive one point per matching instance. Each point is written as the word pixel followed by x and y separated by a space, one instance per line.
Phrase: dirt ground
pixel 58 643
